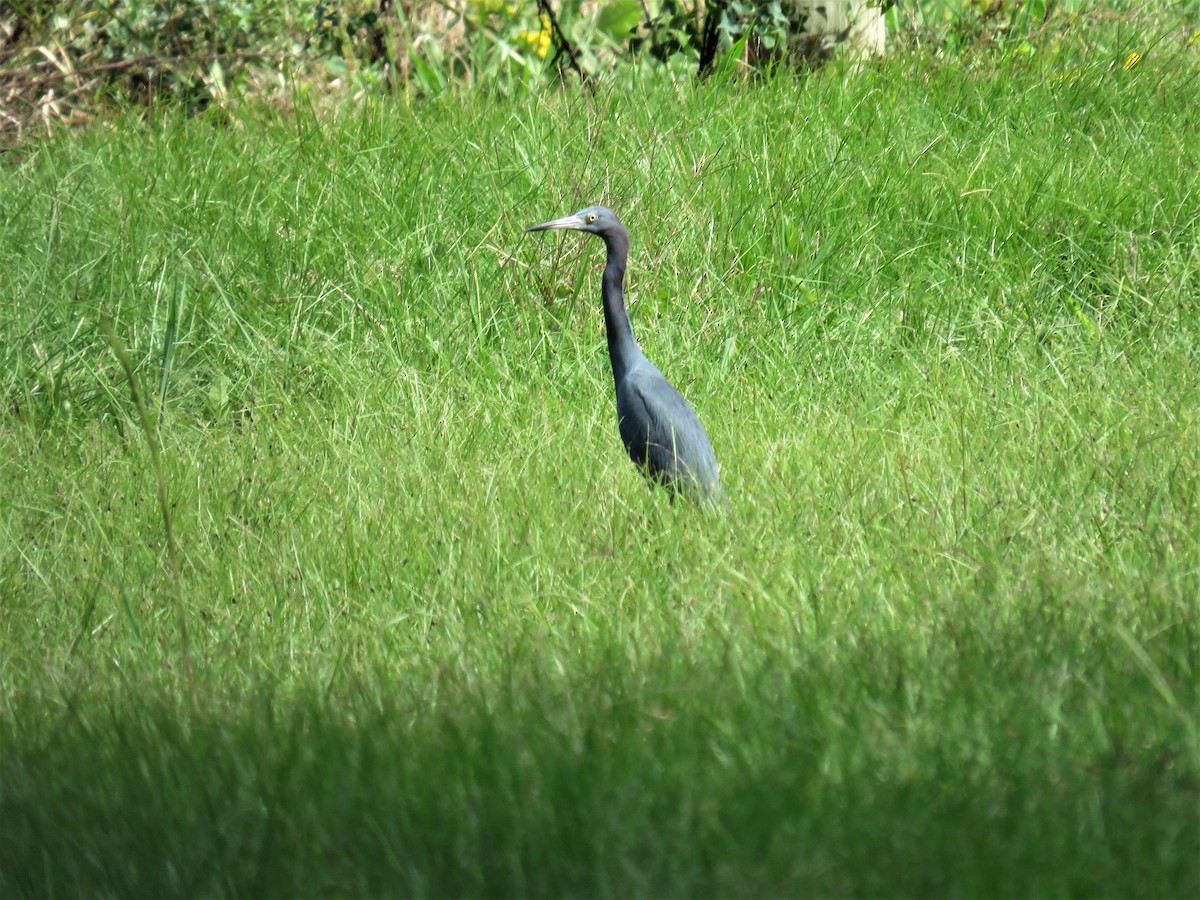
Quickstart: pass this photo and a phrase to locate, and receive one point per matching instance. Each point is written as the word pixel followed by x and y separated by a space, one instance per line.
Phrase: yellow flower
pixel 537 42
pixel 1132 60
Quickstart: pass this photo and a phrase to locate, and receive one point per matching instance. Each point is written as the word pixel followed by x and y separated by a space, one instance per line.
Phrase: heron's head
pixel 595 219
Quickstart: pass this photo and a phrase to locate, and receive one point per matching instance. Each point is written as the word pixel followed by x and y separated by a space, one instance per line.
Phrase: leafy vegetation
pixel 938 315
pixel 68 60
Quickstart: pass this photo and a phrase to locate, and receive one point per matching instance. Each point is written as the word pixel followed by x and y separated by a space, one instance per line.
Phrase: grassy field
pixel 941 323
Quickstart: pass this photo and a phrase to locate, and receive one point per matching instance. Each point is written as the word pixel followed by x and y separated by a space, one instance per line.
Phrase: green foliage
pixel 762 21
pixel 183 50
pixel 755 29
pixel 1021 27
pixel 64 59
pixel 444 641
pixel 672 29
pixel 505 41
pixel 510 41
pixel 617 19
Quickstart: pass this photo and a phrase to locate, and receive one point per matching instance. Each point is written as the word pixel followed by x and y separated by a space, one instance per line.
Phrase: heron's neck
pixel 623 350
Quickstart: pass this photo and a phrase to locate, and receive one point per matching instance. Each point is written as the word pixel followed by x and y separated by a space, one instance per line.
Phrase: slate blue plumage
pixel 660 430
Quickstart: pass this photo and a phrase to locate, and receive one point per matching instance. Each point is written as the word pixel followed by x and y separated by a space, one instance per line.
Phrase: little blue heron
pixel 660 430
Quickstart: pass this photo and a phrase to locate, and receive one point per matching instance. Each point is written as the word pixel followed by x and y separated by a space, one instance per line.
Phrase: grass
pixel 941 324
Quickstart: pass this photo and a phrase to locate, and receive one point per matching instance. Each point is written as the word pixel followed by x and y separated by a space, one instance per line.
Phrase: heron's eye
pixel 591 217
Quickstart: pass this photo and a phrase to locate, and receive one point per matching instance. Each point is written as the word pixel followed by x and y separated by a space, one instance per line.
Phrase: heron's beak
pixel 575 223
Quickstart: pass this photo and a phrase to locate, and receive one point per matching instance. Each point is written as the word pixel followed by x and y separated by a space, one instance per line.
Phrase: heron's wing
pixel 662 432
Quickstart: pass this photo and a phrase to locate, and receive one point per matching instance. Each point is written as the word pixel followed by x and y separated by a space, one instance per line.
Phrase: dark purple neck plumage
pixel 623 350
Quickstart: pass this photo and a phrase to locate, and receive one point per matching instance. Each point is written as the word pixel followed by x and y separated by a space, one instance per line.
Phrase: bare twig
pixel 561 42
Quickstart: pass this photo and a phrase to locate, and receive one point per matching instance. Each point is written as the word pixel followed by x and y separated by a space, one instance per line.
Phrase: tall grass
pixel 941 327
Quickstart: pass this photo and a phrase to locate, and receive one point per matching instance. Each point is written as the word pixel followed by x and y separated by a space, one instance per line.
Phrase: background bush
pixel 59 59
